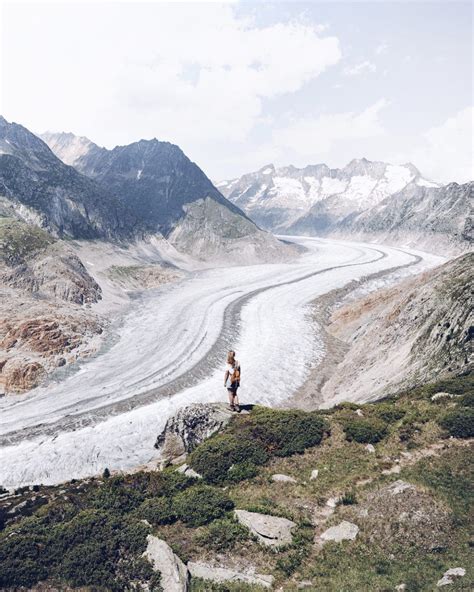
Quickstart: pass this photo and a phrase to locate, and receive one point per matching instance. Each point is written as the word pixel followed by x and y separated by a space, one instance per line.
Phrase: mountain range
pixel 364 200
pixel 125 194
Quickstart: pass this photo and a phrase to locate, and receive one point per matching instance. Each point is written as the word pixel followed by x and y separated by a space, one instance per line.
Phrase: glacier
pixel 169 352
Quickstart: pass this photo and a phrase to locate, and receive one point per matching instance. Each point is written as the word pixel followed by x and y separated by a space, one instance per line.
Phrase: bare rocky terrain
pixel 417 331
pixel 51 308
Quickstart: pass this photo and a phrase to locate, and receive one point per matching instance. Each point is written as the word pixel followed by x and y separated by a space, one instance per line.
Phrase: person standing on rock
pixel 232 380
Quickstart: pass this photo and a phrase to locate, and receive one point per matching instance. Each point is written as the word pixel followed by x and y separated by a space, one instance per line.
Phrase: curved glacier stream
pixel 169 351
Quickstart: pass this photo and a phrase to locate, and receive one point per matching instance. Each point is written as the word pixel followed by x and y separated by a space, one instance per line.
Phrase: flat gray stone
pixel 314 474
pixel 174 574
pixel 283 478
pixel 451 575
pixel 370 448
pixel 345 531
pixel 272 531
pixel 188 471
pixel 198 569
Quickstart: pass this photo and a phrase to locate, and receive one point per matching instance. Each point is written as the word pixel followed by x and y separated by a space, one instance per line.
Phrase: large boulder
pixel 272 531
pixel 189 427
pixel 345 531
pixel 174 574
pixel 198 569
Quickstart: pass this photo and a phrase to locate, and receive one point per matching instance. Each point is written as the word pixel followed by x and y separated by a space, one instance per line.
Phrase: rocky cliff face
pixel 420 330
pixel 44 324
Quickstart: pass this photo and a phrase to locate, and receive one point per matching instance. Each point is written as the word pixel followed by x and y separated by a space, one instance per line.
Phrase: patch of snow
pixel 330 185
pixel 139 173
pixel 425 183
pixel 267 171
pixel 359 190
pixel 396 178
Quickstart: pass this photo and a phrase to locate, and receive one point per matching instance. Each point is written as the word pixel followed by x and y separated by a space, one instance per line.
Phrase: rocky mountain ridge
pixel 164 192
pixel 363 200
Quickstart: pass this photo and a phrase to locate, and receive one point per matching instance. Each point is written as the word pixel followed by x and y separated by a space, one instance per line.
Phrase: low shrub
pixel 459 422
pixel 365 431
pixel 467 400
pixel 87 550
pixel 201 504
pixel 349 498
pixel 286 432
pixel 157 510
pixel 389 413
pixel 214 457
pixel 117 496
pixel 222 534
pixel 241 471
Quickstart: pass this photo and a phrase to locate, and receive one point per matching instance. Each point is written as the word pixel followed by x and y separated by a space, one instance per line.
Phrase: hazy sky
pixel 240 84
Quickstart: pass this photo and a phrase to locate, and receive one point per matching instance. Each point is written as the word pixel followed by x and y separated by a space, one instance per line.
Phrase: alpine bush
pixel 201 504
pixel 158 510
pixel 459 422
pixel 365 431
pixel 214 457
pixel 286 432
pixel 222 534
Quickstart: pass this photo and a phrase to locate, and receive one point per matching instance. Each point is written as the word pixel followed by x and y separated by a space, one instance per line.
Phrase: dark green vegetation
pixel 253 440
pixel 18 240
pixel 92 533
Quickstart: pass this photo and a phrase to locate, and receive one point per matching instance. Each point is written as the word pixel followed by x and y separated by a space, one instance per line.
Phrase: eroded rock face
pixel 50 336
pixel 174 574
pixel 272 531
pixel 189 427
pixel 198 569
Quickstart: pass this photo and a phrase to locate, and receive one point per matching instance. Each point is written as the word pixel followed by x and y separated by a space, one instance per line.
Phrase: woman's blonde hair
pixel 230 357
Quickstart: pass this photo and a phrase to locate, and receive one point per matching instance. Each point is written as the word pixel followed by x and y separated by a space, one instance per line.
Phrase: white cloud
pixel 191 74
pixel 381 49
pixel 445 152
pixel 316 137
pixel 360 68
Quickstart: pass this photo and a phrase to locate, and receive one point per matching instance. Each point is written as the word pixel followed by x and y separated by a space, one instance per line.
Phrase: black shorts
pixel 233 387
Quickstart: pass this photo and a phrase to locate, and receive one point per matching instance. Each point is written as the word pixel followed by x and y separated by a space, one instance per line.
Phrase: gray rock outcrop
pixel 450 576
pixel 174 574
pixel 345 531
pixel 198 569
pixel 279 478
pixel 189 427
pixel 272 531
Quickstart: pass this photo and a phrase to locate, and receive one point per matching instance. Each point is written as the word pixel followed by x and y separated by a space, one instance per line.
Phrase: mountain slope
pixel 438 218
pixel 40 188
pixel 316 196
pixel 171 195
pixel 417 331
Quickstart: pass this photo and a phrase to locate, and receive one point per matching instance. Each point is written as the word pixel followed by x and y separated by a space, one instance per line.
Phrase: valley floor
pixel 169 351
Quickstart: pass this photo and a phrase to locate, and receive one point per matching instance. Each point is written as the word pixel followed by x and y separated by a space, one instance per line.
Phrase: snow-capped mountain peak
pixel 277 197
